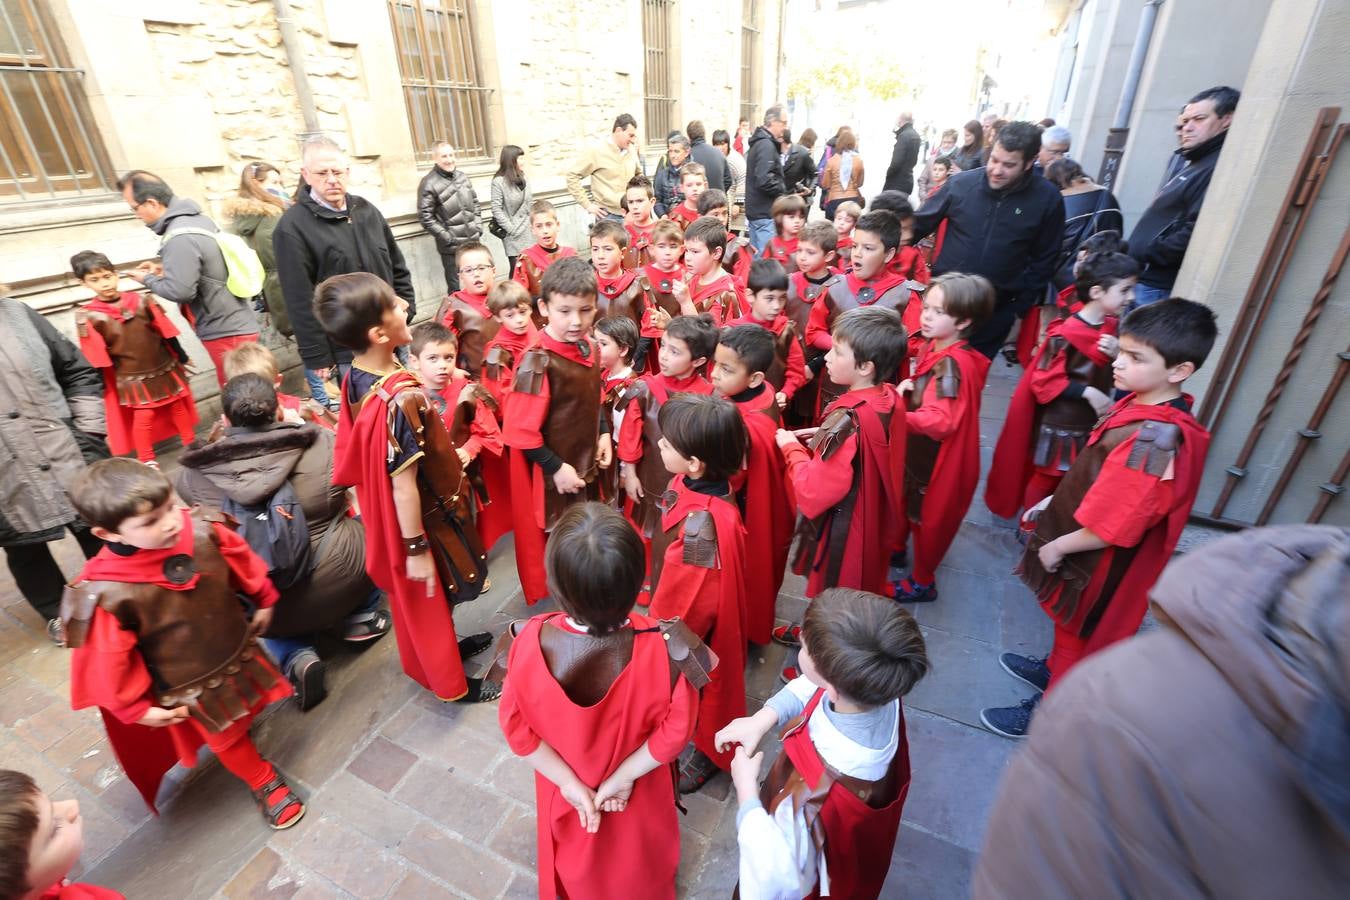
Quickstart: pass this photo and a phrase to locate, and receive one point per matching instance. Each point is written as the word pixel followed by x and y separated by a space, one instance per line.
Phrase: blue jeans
pixel 761 232
pixel 316 388
pixel 1145 294
pixel 284 649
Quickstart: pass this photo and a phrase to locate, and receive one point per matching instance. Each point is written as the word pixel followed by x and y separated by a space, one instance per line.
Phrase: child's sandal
pixel 272 812
pixel 695 772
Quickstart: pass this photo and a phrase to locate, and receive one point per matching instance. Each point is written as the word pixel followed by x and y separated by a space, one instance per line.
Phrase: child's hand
pixel 745 774
pixel 631 483
pixel 421 568
pixel 604 451
pixel 1100 402
pixel 1034 513
pixel 1051 556
pixel 261 621
pixel 659 319
pixel 905 386
pixel 469 394
pixel 582 799
pixel 781 399
pixel 567 481
pixel 464 457
pixel 155 717
pixel 784 438
pixel 747 731
pixel 612 796
pixel 1109 344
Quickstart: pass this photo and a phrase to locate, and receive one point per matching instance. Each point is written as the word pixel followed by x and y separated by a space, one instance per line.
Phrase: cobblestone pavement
pixel 413 798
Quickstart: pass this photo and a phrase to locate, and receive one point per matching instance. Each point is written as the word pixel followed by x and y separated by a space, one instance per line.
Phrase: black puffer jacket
pixel 1160 239
pixel 763 174
pixel 447 207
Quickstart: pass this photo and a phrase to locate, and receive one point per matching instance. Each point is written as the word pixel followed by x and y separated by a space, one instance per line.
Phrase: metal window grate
pixel 657 82
pixel 48 149
pixel 443 83
pixel 750 33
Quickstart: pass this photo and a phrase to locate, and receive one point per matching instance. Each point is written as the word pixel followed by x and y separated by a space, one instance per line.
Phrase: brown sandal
pixel 696 771
pixel 272 811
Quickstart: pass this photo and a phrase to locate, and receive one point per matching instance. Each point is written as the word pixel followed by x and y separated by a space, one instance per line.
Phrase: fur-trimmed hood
pixel 249 464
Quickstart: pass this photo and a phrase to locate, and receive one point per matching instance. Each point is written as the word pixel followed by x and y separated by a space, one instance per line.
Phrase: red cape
pixel 761 489
pixel 1028 336
pixel 700 292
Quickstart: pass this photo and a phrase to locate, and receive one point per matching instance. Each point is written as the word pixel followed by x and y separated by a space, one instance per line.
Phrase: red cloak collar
pixel 882 283
pixel 569 350
pixel 169 568
pixel 658 277
pixel 613 287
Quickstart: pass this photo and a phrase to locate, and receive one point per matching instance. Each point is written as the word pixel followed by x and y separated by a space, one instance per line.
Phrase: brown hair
pixel 643 182
pixel 250 187
pixel 693 168
pixel 595 565
pixel 699 333
pixel 709 232
pixel 251 359
pixel 845 140
pixel 472 247
pixel 786 205
pixel 572 276
pixel 430 333
pixel 507 295
pixel 875 334
pixel 666 230
pixel 965 296
pixel 820 234
pixel 973 127
pixel 622 331
pixel 348 306
pixel 18 823
pixel 539 207
pixel 608 228
pixel 712 198
pixel 249 400
pixel 707 427
pixel 113 490
pixel 868 648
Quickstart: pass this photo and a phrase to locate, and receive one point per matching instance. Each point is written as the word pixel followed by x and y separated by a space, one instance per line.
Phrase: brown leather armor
pixel 474 329
pixel 782 345
pixel 831 526
pixel 497 358
pixel 664 298
pixel 731 305
pixel 631 302
pixel 698 530
pixel 638 253
pixel 571 427
pixel 651 471
pixel 461 428
pixel 145 369
pixel 1063 424
pixel 921 452
pixel 196 644
pixel 799 309
pixel 1154 450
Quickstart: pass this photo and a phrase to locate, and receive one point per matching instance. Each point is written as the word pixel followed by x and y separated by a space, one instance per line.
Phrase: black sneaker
pixel 1031 669
pixel 305 674
pixel 1010 721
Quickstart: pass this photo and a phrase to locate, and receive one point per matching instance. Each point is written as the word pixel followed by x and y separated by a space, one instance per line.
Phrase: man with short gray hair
pixel 764 176
pixel 1055 143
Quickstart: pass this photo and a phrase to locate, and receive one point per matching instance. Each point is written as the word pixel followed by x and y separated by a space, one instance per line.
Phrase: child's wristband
pixel 416 546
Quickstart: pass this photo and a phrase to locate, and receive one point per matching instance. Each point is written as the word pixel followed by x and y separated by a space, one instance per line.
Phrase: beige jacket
pixel 610 170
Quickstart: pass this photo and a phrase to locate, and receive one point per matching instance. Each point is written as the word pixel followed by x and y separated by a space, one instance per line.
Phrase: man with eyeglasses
pixel 329 231
pixel 1055 143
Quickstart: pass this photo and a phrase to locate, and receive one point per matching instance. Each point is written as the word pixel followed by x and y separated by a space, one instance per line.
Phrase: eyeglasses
pixel 476 270
pixel 330 174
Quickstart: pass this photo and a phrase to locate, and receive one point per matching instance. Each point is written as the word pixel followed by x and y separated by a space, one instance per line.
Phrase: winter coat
pixel 447 207
pixel 666 187
pixel 799 171
pixel 511 212
pixel 1085 214
pixel 195 274
pixel 736 169
pixel 904 157
pixel 312 243
pixel 966 160
pixel 52 421
pixel 1208 758
pixel 249 465
pixel 1160 239
pixel 254 220
pixel 835 189
pixel 763 174
pixel 714 163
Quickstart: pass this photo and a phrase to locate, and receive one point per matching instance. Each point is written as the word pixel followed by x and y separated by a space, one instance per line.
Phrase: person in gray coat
pixel 511 201
pixel 447 207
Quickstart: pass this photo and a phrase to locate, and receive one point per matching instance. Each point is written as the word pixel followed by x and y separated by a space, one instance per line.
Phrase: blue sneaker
pixel 1031 669
pixel 910 591
pixel 1010 721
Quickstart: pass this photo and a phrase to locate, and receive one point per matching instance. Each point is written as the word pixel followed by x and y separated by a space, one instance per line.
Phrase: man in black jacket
pixel 764 176
pixel 1160 239
pixel 713 161
pixel 904 157
pixel 331 232
pixel 447 207
pixel 1004 223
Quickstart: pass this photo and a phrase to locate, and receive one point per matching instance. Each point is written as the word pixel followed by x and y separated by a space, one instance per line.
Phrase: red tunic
pixel 496 519
pixel 641 845
pixel 721 297
pixel 492 514
pixel 682 216
pixel 711 601
pixel 794 363
pixel 1034 324
pixel 638 253
pixel 424 626
pixel 782 250
pixel 802 299
pixel 66 890
pixel 617 296
pixel 632 446
pixel 843 249
pixel 908 264
pixel 539 259
pixel 883 291
pixel 737 261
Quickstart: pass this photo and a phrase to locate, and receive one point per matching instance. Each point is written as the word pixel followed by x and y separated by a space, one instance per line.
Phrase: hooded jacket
pixel 248 465
pixel 447 207
pixel 254 220
pixel 1208 758
pixel 1160 239
pixel 763 174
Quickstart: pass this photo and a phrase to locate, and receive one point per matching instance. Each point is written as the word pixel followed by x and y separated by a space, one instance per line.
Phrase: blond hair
pixel 252 359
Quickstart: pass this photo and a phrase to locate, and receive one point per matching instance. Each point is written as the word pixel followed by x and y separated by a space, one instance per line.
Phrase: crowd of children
pixel 637 421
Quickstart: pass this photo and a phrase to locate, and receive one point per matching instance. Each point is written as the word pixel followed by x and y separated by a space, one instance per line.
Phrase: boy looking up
pixel 738 256
pixel 545 250
pixel 620 293
pixel 693 182
pixel 639 222
pixel 768 289
pixel 465 312
pixel 709 289
pixel 1104 536
pixel 808 286
pixel 942 462
pixel 789 218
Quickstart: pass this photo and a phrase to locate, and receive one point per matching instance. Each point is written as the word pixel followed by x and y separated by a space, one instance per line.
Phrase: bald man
pixel 905 156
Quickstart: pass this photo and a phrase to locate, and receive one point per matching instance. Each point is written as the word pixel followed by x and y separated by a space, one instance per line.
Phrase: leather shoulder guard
pixel 700 540
pixel 1155 446
pixel 693 658
pixel 78 602
pixel 496 358
pixel 838 427
pixel 215 516
pixel 530 373
pixel 947 375
pixel 634 391
pixel 501 650
pixel 1054 347
pixel 484 396
pixel 415 406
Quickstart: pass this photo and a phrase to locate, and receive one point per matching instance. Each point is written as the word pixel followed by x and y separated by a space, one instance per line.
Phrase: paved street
pixel 413 798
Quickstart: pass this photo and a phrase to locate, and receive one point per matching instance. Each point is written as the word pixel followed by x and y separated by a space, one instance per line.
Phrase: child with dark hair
pixel 617 339
pixel 1104 536
pixel 698 559
pixel 620 291
pixel 942 462
pixel 738 256
pixel 708 289
pixel 659 279
pixel 395 450
pixel 1031 332
pixel 162 644
pixel 601 695
pixel 545 250
pixel 844 771
pixel 40 841
pixel 254 358
pixel 745 353
pixel 1064 390
pixel 789 217
pixel 768 289
pixel 465 312
pixel 558 438
pixel 693 182
pixel 638 202
pixel 130 340
pixel 908 261
pixel 510 306
pixel 808 286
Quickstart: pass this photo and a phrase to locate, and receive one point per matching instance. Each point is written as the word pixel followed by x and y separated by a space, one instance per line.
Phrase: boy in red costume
pixel 421 548
pixel 693 182
pixel 658 279
pixel 620 291
pixel 40 841
pixel 849 484
pixel 616 338
pixel 807 286
pixel 789 218
pixel 1064 390
pixel 908 261
pixel 744 354
pixel 545 250
pixel 942 462
pixel 738 256
pixel 162 644
pixel 685 351
pixel 709 289
pixel 1031 331
pixel 846 217
pixel 510 306
pixel 844 769
pixel 698 560
pixel 558 438
pixel 638 200
pixel 465 312
pixel 129 338
pixel 600 700
pixel 1104 536
pixel 768 287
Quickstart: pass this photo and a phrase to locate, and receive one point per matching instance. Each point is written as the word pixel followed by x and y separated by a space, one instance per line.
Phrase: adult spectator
pixel 713 161
pixel 1088 209
pixel 609 164
pixel 989 126
pixel 843 176
pixel 1055 143
pixel 255 458
pixel 904 156
pixel 1205 758
pixel 1163 233
pixel 799 170
pixel 1004 223
pixel 945 148
pixel 736 168
pixel 764 176
pixel 666 186
pixel 52 422
pixel 511 199
pixel 970 155
pixel 191 271
pixel 331 232
pixel 447 207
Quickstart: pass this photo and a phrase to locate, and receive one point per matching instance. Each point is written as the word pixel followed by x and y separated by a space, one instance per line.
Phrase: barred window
pixel 750 33
pixel 48 146
pixel 443 82
pixel 657 87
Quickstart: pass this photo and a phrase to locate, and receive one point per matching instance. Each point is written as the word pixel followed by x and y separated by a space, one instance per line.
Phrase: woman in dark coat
pixel 1088 209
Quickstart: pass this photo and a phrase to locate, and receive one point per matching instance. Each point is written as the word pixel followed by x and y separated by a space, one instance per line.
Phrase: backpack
pixel 246 274
pixel 276 530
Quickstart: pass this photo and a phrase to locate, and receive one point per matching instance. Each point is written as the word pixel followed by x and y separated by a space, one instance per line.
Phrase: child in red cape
pixel 744 354
pixel 545 250
pixel 1034 324
pixel 639 200
pixel 40 841
pixel 942 461
pixel 616 339
pixel 693 182
pixel 620 291
pixel 808 287
pixel 767 295
pixel 395 450
pixel 465 312
pixel 659 279
pixel 600 700
pixel 161 642
pixel 844 769
pixel 846 217
pixel 738 256
pixel 709 289
pixel 134 344
pixel 789 217
pixel 701 579
pixel 1063 392
pixel 1104 536
pixel 908 261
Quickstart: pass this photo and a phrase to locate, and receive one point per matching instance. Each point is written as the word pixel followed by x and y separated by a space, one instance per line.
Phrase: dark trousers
pixel 38 576
pixel 511 266
pixel 989 336
pixel 451 271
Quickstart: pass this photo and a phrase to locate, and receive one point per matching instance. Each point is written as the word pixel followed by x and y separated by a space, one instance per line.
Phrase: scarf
pixel 846 167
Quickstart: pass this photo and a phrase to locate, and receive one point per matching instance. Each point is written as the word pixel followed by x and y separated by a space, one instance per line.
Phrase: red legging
pixel 1065 654
pixel 143 427
pixel 1040 486
pixel 237 753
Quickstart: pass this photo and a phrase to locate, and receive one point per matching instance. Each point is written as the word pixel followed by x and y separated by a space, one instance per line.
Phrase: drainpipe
pixel 295 60
pixel 1120 128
